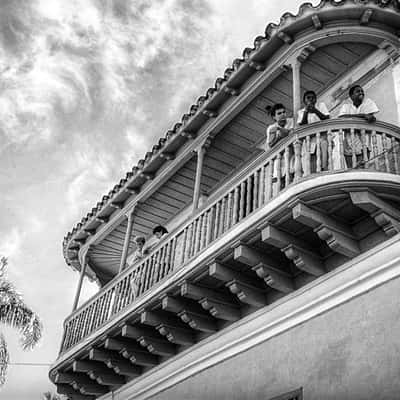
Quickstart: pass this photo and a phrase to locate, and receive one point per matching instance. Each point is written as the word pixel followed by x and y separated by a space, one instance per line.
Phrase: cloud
pixel 10 243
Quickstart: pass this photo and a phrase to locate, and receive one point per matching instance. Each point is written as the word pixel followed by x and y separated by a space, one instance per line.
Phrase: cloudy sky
pixel 86 87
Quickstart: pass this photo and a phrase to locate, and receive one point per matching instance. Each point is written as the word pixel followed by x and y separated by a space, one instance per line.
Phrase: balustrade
pixel 324 147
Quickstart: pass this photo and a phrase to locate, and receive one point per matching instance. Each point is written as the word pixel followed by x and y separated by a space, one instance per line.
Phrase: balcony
pixel 291 216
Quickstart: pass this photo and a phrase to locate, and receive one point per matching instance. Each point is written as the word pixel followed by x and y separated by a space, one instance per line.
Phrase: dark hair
pixel 276 107
pixel 159 228
pixel 139 239
pixel 353 88
pixel 308 92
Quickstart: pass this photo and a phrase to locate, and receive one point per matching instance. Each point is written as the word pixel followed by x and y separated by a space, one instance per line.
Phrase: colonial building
pixel 280 275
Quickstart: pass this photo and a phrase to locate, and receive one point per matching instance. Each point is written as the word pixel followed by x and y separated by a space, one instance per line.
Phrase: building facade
pixel 280 272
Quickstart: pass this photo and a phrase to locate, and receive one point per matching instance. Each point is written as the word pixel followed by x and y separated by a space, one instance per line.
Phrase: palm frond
pixel 19 316
pixel 4 359
pixel 3 266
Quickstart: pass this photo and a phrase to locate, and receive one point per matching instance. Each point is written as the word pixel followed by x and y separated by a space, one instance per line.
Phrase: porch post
pixel 81 276
pixel 296 65
pixel 201 151
pixel 127 240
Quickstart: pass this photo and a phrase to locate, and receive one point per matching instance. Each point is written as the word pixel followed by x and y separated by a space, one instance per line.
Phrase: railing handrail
pixel 299 133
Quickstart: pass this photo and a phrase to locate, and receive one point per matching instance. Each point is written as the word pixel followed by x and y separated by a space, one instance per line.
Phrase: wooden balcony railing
pixel 325 147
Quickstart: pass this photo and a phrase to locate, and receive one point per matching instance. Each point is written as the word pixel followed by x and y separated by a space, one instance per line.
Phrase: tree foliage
pixel 16 314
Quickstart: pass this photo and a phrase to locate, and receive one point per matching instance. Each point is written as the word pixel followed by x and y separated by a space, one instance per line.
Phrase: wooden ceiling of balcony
pixel 230 150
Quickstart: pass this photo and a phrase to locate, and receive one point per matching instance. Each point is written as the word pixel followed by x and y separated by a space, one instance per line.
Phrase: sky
pixel 86 88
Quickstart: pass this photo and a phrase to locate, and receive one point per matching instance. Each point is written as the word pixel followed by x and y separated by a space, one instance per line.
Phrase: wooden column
pixel 201 151
pixel 84 263
pixel 296 64
pixel 127 240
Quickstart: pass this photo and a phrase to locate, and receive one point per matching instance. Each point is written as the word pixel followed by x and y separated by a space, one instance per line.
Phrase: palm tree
pixel 15 313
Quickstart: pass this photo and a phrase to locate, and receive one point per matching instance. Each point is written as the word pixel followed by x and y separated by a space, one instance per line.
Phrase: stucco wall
pixel 351 352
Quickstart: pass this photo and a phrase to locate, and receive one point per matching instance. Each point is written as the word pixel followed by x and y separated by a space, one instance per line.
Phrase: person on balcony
pixel 281 128
pixel 362 108
pixel 313 112
pixel 160 232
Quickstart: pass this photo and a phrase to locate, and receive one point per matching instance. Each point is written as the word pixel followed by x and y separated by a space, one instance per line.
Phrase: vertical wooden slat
pixel 375 150
pixel 364 147
pixel 248 195
pixel 209 226
pixel 353 150
pixel 184 245
pixel 318 152
pixel 286 158
pixel 395 150
pixel 341 149
pixel 242 200
pixel 330 151
pixel 236 202
pixel 386 150
pixel 268 180
pixel 261 189
pixel 278 174
pixel 297 160
pixel 230 210
pixel 221 217
pixel 256 181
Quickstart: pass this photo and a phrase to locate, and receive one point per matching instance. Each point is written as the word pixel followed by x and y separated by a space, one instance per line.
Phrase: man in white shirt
pixel 282 127
pixel 359 107
pixel 313 112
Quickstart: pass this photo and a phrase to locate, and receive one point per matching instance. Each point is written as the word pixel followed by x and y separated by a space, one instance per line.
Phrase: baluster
pixel 318 152
pixel 236 201
pixel 353 148
pixel 196 243
pixel 375 150
pixel 286 158
pixel 173 254
pixel 297 160
pixel 190 241
pixel 247 209
pixel 184 245
pixel 157 266
pixel 305 156
pixel 269 171
pixel 386 149
pixel 256 177
pixel 216 220
pixel 341 150
pixel 230 209
pixel 330 151
pixel 395 150
pixel 364 148
pixel 220 228
pixel 209 226
pixel 147 274
pixel 261 188
pixel 277 166
pixel 168 261
pixel 203 220
pixel 242 200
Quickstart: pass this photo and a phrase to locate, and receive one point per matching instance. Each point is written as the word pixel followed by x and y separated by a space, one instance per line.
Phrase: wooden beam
pixel 72 394
pixel 275 279
pixel 107 379
pixel 337 236
pixel 252 257
pixel 91 389
pixel 248 295
pixel 132 351
pixel 70 377
pixel 294 249
pixel 124 368
pixel 221 311
pixel 134 332
pixel 246 289
pixel 195 292
pixel 156 318
pixel 191 314
pixel 159 347
pixel 177 335
pixel 306 261
pixel 199 322
pixel 88 366
pixel 385 215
